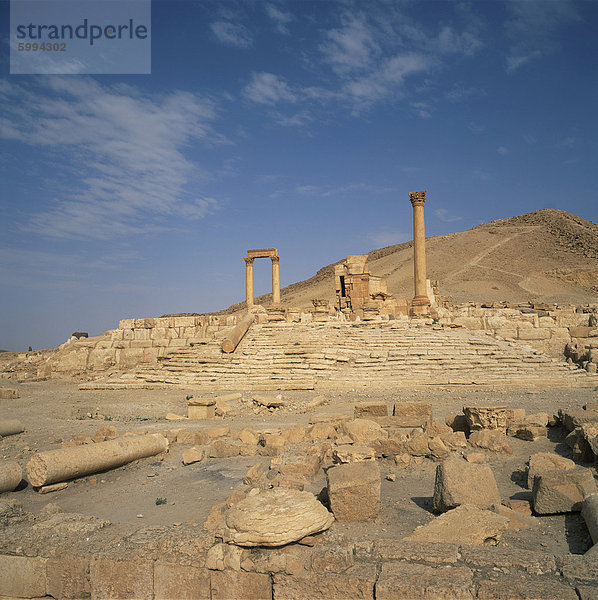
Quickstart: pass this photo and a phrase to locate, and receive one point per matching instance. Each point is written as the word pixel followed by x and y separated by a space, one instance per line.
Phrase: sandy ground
pixel 53 412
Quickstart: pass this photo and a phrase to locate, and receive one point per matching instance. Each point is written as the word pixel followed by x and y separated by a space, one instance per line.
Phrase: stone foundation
pixel 382 569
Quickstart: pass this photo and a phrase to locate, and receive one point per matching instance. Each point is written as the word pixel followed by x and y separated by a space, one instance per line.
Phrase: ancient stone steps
pixel 299 356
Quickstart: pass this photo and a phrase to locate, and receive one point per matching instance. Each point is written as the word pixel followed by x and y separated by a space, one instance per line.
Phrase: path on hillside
pixel 474 262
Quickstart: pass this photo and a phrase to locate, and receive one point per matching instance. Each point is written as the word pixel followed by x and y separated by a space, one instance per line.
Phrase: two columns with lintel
pixel 272 254
pixel 420 305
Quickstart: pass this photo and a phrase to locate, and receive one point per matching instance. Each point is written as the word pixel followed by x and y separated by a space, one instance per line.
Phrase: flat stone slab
pixel 463 525
pixel 556 492
pixel 274 518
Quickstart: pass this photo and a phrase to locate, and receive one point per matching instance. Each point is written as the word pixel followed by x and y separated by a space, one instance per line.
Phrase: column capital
pixel 417 198
pixel 275 259
pixel 248 261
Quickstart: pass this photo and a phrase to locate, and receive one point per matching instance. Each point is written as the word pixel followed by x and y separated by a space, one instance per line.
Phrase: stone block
pixel 363 431
pixel 534 562
pixel 469 322
pixel 580 568
pixel 534 333
pixel 22 576
pixel 356 583
pixel 526 431
pixel 428 552
pixel 542 462
pixel 459 482
pixel 180 582
pixel 121 578
pixel 159 333
pixel 201 412
pixel 141 344
pixel 301 466
pixel 126 324
pixel 8 393
pixel 370 409
pixel 354 491
pixel 229 585
pixel 463 525
pixel 350 453
pixel 572 419
pixel 417 444
pixel 508 333
pixel 490 439
pixel 150 355
pixel 580 332
pixel 68 577
pixel 129 357
pixel 225 448
pixel 321 431
pixel 206 436
pixel 408 409
pixel 183 322
pixel 141 334
pixel 564 491
pixel 422 582
pixel 486 417
pixel 517 587
pixel 438 448
pixel 193 455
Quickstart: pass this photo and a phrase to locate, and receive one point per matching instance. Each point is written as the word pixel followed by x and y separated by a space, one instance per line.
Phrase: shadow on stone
pixel 577 534
pixel 425 502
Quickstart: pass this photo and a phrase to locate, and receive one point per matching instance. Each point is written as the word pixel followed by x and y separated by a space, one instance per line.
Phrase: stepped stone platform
pixel 347 355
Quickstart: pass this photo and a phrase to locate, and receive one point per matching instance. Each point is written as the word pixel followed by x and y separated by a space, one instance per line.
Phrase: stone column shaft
pixel 420 302
pixel 249 281
pixel 275 280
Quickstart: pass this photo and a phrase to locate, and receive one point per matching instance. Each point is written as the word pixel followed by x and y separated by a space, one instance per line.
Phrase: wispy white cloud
pixel 502 150
pixel 351 46
pixel 446 216
pixel 232 34
pixel 422 109
pixel 369 58
pixel 125 151
pixel 281 17
pixel 567 142
pixel 459 92
pixel 533 29
pixel 267 88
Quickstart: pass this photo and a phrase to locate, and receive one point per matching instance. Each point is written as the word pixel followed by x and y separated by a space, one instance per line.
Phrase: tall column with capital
pixel 421 303
pixel 249 281
pixel 275 280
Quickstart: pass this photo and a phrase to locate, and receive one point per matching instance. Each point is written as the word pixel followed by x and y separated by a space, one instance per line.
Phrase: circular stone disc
pixel 275 517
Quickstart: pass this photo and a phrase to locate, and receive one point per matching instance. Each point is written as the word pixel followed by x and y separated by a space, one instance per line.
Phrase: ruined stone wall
pixel 136 341
pixel 548 331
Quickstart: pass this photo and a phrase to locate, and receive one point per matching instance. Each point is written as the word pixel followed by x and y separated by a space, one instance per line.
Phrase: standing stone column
pixel 249 281
pixel 275 280
pixel 420 305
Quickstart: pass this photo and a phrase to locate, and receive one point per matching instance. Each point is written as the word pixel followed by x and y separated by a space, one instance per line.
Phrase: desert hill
pixel 548 255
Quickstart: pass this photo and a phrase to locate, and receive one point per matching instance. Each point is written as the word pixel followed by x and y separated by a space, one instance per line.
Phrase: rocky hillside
pixel 547 255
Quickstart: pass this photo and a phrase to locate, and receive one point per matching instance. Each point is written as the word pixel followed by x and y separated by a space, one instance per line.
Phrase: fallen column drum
pixel 69 463
pixel 10 476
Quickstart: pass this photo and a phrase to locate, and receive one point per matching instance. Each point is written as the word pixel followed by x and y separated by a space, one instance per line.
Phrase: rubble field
pixel 241 505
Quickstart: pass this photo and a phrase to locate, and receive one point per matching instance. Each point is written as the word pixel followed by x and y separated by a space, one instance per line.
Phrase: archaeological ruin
pixel 339 441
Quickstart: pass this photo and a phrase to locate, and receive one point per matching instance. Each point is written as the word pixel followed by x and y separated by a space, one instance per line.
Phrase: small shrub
pixel 160 501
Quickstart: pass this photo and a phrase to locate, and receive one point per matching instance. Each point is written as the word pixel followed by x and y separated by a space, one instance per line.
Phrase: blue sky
pixel 298 125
